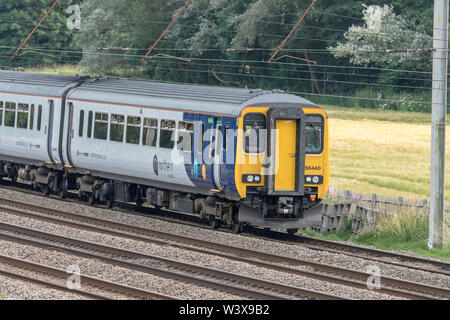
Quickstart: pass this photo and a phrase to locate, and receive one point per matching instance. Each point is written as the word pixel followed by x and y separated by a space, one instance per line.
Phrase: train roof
pixel 179 97
pixel 195 98
pixel 36 84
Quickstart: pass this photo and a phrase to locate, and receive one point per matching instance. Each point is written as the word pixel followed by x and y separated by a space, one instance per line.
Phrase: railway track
pixel 376 255
pixel 90 287
pixel 247 287
pixel 351 278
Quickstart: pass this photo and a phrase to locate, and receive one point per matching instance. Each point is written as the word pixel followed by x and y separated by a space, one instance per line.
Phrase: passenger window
pixel 32 117
pixel 101 126
pixel 39 119
pixel 167 134
pixel 150 132
pixel 225 137
pixel 22 116
pixel 81 127
pixel 1 113
pixel 201 133
pixel 117 128
pixel 133 130
pixel 90 120
pixel 185 136
pixel 10 114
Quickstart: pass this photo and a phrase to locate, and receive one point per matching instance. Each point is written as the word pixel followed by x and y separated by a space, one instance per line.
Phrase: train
pixel 234 157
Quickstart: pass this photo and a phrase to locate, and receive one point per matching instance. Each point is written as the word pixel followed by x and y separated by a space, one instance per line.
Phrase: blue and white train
pixel 192 149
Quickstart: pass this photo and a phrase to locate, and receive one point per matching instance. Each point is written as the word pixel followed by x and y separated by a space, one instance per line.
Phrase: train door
pixel 218 154
pixel 70 133
pixel 286 156
pixel 49 130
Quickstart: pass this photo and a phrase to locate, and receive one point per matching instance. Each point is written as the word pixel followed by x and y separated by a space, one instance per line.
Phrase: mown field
pixel 383 152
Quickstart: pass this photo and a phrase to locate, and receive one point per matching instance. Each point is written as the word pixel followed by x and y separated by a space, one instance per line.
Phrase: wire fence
pixel 379 202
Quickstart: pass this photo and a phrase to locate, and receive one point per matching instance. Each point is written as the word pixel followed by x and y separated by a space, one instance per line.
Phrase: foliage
pixel 383 32
pixel 17 20
pixel 208 44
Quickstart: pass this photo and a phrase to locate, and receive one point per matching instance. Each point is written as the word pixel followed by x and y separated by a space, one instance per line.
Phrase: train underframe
pixel 259 210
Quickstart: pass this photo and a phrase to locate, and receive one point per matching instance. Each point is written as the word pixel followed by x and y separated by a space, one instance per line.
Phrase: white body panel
pixel 28 143
pixel 122 158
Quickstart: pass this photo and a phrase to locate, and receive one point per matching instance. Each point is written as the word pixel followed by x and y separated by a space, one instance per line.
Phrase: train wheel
pixel 46 190
pixel 237 228
pixel 110 202
pixel 63 188
pixel 91 199
pixel 292 231
pixel 213 223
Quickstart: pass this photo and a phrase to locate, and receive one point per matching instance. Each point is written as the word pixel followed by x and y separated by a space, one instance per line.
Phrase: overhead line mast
pixel 292 31
pixel 166 30
pixel 439 113
pixel 34 30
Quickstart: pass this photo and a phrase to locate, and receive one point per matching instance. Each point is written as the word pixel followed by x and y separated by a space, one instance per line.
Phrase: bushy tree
pixel 17 20
pixel 385 40
pixel 134 24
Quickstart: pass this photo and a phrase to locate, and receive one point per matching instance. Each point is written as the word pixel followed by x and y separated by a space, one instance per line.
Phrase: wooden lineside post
pixel 292 31
pixel 34 30
pixel 166 30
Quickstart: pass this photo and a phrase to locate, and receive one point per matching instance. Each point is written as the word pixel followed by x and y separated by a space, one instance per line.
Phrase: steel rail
pixel 433 266
pixel 357 279
pixel 199 275
pixel 85 281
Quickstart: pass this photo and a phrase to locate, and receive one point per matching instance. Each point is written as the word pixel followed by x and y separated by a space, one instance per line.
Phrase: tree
pixel 17 20
pixel 385 39
pixel 134 24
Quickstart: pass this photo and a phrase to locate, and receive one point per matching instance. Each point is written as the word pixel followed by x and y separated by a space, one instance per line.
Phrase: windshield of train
pixel 314 134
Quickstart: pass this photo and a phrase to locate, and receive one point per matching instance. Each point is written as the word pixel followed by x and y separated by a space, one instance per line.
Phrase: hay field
pixel 389 158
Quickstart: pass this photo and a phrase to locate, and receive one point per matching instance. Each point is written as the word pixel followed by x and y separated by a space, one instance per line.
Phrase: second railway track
pixel 245 286
pixel 376 255
pixel 351 278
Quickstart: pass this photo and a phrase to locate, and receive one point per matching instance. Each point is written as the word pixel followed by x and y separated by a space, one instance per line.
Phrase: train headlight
pixel 313 179
pixel 251 178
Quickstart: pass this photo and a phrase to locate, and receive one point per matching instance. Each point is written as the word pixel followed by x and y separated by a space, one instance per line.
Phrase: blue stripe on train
pixel 195 169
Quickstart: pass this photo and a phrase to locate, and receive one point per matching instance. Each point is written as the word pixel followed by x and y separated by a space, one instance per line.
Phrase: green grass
pixel 2 295
pixel 403 229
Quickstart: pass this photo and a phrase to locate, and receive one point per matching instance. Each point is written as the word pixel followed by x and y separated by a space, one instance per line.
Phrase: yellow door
pixel 286 155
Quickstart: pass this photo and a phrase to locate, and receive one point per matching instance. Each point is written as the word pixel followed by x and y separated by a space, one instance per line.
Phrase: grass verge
pixel 403 229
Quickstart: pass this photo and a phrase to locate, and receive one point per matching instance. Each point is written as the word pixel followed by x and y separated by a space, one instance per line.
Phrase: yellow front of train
pixel 282 161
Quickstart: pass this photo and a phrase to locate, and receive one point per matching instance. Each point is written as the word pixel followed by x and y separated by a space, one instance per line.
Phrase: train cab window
pixel 39 119
pixel 150 134
pixel 10 114
pixel 81 122
pixel 185 136
pixel 22 115
pixel 1 113
pixel 167 134
pixel 133 130
pixel 255 136
pixel 314 134
pixel 117 128
pixel 32 117
pixel 101 126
